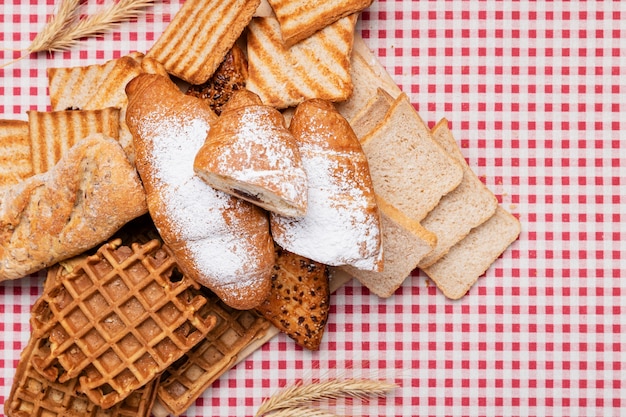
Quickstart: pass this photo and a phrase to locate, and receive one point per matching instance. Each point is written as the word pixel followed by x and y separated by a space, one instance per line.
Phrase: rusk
pixel 196 41
pixel 342 223
pixel 317 67
pixel 15 156
pixel 220 241
pixel 53 133
pixel 91 193
pixel 249 153
pixel 467 206
pixel 300 19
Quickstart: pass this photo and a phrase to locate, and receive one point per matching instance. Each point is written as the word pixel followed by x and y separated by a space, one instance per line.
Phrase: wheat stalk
pixel 333 389
pixel 65 29
pixel 301 412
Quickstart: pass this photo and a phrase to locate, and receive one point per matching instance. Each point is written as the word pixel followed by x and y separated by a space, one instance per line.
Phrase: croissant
pixel 250 153
pixel 221 241
pixel 342 222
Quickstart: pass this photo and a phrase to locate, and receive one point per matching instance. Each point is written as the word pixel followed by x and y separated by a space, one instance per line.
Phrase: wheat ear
pixel 332 389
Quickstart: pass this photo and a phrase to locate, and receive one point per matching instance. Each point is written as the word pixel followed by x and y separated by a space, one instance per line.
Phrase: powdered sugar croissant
pixel 342 223
pixel 250 153
pixel 220 241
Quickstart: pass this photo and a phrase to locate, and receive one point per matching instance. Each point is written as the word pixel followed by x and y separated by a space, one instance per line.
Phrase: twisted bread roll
pixel 342 223
pixel 250 153
pixel 82 201
pixel 220 241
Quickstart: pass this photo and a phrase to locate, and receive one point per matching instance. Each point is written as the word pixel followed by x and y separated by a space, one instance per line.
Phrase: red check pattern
pixel 535 93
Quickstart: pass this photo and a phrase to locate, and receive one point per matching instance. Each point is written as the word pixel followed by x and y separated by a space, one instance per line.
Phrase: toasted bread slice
pixel 467 206
pixel 299 300
pixel 300 19
pixel 317 67
pixel 15 158
pixel 466 261
pixel 409 169
pixel 52 134
pixel 405 243
pixel 198 38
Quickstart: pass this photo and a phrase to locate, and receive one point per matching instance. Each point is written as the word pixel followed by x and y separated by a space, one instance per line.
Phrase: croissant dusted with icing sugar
pixel 221 241
pixel 342 223
pixel 250 153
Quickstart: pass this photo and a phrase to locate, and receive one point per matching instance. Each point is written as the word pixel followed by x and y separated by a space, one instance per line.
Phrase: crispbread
pixel 188 378
pixel 15 157
pixel 467 206
pixel 405 243
pixel 300 19
pixel 317 67
pixel 33 395
pixel 118 320
pixel 200 35
pixel 52 134
pixel 409 169
pixel 466 261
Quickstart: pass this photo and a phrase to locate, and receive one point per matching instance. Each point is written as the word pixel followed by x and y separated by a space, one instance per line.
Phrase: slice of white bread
pixel 467 206
pixel 15 158
pixel 408 168
pixel 405 243
pixel 300 19
pixel 196 41
pixel 372 114
pixel 52 134
pixel 317 67
pixel 367 75
pixel 466 261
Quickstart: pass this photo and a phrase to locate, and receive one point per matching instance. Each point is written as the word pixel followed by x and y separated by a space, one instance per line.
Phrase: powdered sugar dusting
pixel 340 226
pixel 217 245
pixel 259 153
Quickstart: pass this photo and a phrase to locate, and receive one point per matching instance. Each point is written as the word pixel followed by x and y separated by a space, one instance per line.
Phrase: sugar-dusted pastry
pixel 342 222
pixel 250 153
pixel 221 241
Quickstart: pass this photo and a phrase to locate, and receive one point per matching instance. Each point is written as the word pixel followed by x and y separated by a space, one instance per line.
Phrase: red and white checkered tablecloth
pixel 535 93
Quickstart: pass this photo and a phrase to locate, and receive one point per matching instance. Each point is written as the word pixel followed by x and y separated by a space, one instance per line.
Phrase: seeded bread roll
pixel 221 241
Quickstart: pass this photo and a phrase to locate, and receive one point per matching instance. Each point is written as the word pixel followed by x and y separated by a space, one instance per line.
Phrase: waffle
pixel 33 395
pixel 188 378
pixel 118 320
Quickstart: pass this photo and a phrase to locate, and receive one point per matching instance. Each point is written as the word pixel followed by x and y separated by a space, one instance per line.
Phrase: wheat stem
pixel 301 412
pixel 329 390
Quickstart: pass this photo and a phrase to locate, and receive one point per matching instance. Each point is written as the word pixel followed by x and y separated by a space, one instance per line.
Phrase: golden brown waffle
pixel 33 395
pixel 118 320
pixel 188 378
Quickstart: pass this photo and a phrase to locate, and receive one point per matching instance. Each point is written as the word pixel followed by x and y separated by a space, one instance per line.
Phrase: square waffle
pixel 188 378
pixel 34 395
pixel 118 320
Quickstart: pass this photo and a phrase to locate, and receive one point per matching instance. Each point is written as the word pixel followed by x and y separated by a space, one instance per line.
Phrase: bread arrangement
pixel 187 208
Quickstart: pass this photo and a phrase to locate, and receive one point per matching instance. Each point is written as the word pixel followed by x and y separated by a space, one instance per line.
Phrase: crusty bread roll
pixel 250 153
pixel 83 200
pixel 342 222
pixel 221 241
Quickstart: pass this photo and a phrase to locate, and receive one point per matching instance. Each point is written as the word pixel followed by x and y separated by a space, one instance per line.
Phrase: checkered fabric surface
pixel 535 93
